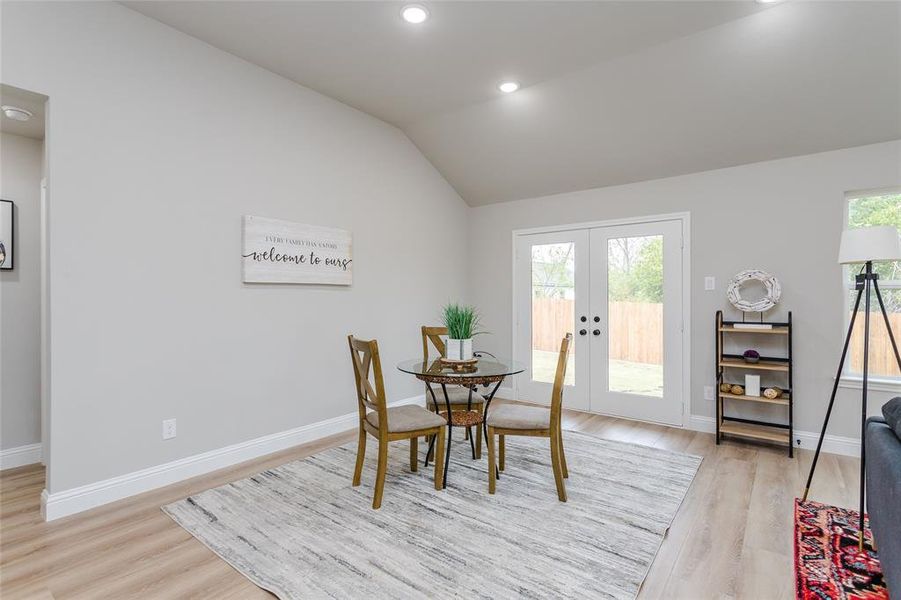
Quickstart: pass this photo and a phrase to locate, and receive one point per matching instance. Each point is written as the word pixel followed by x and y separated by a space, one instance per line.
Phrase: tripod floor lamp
pixel 862 246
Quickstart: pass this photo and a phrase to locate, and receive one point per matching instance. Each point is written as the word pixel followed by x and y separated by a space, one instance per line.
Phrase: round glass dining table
pixel 488 371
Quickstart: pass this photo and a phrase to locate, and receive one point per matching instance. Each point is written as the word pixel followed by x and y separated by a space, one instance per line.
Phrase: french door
pixel 618 289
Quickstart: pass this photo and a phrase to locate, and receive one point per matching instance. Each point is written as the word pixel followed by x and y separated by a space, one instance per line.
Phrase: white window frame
pixel 848 378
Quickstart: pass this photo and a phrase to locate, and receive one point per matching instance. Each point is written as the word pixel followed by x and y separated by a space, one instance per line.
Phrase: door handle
pixel 597 319
pixel 583 318
pixel 582 332
pixel 596 332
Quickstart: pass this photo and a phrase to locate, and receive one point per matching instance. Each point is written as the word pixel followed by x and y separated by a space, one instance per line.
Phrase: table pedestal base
pixel 467 419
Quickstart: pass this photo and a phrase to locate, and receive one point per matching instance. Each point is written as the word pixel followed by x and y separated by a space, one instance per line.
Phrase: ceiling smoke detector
pixel 15 113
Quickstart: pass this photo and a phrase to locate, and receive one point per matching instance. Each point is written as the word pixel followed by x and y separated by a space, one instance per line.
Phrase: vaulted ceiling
pixel 612 92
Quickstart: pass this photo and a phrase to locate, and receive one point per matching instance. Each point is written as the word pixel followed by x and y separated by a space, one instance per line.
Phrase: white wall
pixel 21 161
pixel 783 216
pixel 158 144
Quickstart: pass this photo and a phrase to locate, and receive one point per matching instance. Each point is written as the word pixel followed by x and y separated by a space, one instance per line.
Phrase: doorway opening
pixel 24 306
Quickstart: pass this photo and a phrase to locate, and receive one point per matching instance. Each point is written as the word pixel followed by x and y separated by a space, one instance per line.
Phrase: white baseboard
pixel 20 456
pixel 699 423
pixel 833 444
pixel 75 500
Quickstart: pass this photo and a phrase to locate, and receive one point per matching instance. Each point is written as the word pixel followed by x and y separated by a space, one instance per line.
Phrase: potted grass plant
pixel 462 324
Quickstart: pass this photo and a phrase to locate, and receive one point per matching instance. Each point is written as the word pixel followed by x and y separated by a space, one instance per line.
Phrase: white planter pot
pixel 459 349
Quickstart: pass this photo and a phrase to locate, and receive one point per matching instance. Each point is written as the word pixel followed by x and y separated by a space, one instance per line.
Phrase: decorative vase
pixel 459 349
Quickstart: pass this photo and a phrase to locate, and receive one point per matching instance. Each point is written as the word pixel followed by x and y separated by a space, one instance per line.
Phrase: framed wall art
pixel 276 251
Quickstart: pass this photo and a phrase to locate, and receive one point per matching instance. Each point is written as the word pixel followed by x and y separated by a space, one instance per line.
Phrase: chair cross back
pixel 365 356
pixel 433 335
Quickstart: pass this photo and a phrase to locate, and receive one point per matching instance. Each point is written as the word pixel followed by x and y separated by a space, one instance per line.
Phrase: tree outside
pixel 635 269
pixel 553 270
pixel 880 209
pixel 883 209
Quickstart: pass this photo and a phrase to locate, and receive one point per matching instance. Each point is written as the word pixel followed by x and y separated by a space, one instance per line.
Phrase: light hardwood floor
pixel 732 537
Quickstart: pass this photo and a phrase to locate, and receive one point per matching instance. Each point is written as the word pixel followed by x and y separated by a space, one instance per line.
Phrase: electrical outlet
pixel 168 429
pixel 708 392
pixel 709 283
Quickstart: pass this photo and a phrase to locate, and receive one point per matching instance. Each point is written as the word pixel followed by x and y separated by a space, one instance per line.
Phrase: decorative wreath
pixel 773 291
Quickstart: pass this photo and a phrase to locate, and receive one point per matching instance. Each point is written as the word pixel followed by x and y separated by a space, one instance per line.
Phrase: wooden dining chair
pixel 535 421
pixel 457 394
pixel 407 422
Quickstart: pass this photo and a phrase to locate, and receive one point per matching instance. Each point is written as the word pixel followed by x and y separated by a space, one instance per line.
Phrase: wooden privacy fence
pixel 636 333
pixel 636 328
pixel 882 358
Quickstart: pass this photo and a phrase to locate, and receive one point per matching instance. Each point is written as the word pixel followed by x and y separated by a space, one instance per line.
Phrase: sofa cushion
pixel 891 410
pixel 884 498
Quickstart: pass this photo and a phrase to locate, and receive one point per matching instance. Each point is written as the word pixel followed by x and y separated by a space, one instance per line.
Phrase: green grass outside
pixel 625 376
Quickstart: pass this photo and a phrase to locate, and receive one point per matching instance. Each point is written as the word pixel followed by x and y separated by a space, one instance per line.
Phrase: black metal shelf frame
pixel 721 370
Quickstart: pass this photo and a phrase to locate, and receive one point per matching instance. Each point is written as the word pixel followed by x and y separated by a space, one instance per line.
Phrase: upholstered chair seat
pixel 457 395
pixel 516 416
pixel 407 418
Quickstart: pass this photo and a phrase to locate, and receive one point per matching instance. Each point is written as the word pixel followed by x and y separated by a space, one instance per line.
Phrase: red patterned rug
pixel 828 564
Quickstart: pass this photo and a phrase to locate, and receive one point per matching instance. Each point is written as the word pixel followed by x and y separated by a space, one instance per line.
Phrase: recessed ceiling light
pixel 767 1
pixel 15 113
pixel 415 13
pixel 508 87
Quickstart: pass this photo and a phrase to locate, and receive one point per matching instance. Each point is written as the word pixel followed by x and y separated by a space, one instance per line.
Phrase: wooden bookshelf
pixel 757 432
pixel 782 400
pixel 763 365
pixel 778 373
pixel 774 331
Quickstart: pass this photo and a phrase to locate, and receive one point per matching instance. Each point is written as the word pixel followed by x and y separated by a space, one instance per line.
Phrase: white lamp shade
pixel 869 243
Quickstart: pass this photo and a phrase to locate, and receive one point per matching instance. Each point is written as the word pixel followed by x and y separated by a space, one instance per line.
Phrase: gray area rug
pixel 302 531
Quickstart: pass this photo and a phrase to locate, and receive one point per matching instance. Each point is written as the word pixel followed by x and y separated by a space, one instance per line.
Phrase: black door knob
pixel 597 319
pixel 583 318
pixel 596 332
pixel 582 332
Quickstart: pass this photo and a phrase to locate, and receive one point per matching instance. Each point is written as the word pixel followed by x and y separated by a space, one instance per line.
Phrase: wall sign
pixel 277 251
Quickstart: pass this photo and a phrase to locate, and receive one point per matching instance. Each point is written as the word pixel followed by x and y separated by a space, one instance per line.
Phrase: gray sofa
pixel 884 498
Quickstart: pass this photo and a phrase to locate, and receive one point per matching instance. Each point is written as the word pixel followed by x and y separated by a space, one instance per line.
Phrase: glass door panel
pixel 551 299
pixel 553 308
pixel 635 315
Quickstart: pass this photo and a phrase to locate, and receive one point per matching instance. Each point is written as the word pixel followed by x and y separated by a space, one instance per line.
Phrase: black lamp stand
pixel 864 282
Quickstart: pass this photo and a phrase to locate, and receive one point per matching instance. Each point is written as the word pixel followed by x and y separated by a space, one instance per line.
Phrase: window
pixel 866 209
